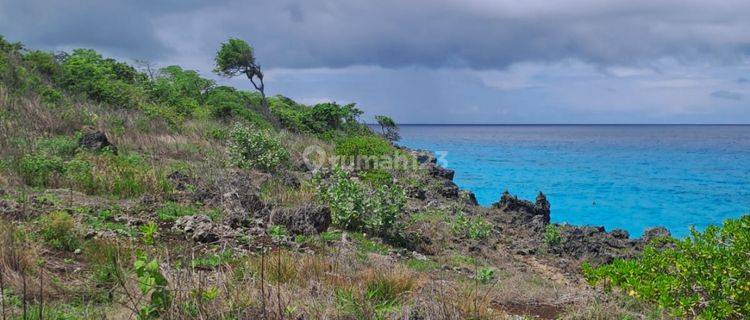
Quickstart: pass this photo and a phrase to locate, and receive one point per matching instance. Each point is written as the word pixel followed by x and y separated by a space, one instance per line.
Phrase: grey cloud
pixel 742 80
pixel 388 33
pixel 727 95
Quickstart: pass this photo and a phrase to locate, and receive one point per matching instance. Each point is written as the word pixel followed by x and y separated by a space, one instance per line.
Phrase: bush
pixel 226 102
pixel 257 149
pixel 104 80
pixel 58 230
pixel 39 170
pixel 471 227
pixel 171 211
pixel 370 145
pixel 182 90
pixel 355 207
pixel 552 235
pixel 706 274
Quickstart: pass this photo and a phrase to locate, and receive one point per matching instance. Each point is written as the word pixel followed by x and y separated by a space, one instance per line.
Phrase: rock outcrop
pixel 524 211
pixel 95 140
pixel 199 228
pixel 307 219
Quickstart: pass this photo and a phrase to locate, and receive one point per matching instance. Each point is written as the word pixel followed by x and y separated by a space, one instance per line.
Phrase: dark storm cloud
pixel 728 95
pixel 123 28
pixel 389 33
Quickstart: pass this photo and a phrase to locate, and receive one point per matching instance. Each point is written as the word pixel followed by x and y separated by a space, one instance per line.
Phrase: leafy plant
pixel 355 207
pixel 485 275
pixel 172 210
pixel 149 231
pixel 257 149
pixel 552 235
pixel 277 232
pixel 59 231
pixel 471 227
pixel 152 284
pixel 704 275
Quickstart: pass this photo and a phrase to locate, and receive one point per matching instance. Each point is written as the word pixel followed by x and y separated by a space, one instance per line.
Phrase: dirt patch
pixel 536 311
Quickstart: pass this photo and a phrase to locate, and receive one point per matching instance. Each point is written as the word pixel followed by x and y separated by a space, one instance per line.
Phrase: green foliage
pixel 180 89
pixel 225 102
pixel 485 275
pixel 153 285
pixel 105 80
pixel 105 260
pixel 376 177
pixel 278 232
pixel 369 145
pixel 388 128
pixel 149 231
pixel 471 227
pixel 39 170
pixel 42 62
pixel 318 119
pixel 212 260
pixel 257 149
pixel 356 207
pixel 172 210
pixel 552 235
pixel 706 274
pixel 58 230
pixel 234 57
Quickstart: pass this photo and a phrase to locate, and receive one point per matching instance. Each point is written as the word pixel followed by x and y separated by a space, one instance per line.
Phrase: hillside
pixel 134 193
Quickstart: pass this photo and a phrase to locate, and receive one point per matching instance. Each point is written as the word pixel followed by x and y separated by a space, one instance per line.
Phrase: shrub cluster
pixel 356 206
pixel 706 274
pixel 319 119
pixel 257 149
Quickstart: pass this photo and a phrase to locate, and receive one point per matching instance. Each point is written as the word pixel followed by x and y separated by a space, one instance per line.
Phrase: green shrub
pixel 42 62
pixel 179 89
pixel 61 146
pixel 58 230
pixel 552 235
pixel 370 145
pixel 355 207
pixel 376 177
pixel 485 275
pixel 471 227
pixel 171 211
pixel 226 102
pixel 39 170
pixel 153 285
pixel 706 274
pixel 257 149
pixel 101 79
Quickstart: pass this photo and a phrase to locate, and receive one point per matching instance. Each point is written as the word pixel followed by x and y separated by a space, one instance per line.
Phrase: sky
pixel 439 61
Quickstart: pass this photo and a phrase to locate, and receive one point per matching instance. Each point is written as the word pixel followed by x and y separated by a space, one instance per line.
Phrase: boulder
pixel 449 189
pixel 423 156
pixel 95 140
pixel 440 172
pixel 199 227
pixel 307 219
pixel 241 201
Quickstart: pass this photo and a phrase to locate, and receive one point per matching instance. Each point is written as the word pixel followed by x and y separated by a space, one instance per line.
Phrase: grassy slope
pixel 76 220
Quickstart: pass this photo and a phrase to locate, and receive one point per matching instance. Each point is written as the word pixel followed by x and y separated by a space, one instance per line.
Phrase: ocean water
pixel 618 176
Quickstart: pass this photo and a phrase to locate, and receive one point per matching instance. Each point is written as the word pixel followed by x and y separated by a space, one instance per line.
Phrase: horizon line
pixel 570 124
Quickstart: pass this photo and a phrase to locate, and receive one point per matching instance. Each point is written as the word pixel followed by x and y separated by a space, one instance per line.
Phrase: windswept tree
pixel 236 57
pixel 388 128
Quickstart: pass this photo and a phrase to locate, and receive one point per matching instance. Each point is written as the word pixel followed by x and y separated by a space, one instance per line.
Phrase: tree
pixel 236 57
pixel 388 128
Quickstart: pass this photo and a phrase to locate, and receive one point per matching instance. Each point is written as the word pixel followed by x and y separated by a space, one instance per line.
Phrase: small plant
pixel 257 149
pixel 58 230
pixel 485 275
pixel 475 228
pixel 552 235
pixel 171 211
pixel 277 232
pixel 149 231
pixel 152 284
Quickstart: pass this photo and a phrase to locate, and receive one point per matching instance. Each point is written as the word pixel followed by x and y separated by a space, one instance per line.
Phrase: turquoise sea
pixel 620 176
